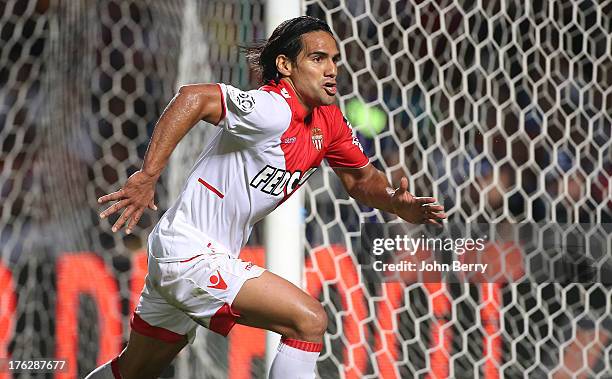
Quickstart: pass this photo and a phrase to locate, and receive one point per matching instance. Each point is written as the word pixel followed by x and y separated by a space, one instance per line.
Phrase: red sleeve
pixel 344 149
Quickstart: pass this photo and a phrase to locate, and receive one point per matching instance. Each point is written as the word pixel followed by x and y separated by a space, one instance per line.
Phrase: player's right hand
pixel 136 195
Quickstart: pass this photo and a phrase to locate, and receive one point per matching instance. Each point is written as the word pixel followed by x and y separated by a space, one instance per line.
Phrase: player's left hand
pixel 416 210
pixel 137 194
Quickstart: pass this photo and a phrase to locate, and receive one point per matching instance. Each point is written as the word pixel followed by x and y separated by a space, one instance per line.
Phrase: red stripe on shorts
pixel 141 326
pixel 216 191
pixel 115 368
pixel 223 320
pixel 312 347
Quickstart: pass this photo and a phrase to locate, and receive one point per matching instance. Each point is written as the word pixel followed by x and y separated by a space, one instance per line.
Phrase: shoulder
pixel 273 95
pixel 333 112
pixel 278 95
pixel 257 101
pixel 255 116
pixel 331 115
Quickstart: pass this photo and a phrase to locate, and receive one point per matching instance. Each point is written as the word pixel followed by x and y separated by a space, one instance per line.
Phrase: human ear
pixel 283 65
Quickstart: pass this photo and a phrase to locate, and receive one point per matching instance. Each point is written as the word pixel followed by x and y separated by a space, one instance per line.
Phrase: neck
pixel 307 108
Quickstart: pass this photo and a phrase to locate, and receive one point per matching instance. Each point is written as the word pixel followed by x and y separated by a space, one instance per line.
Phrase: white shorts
pixel 180 295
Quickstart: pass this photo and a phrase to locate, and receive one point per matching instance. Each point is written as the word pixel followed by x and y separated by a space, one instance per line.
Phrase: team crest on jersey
pixel 317 138
pixel 243 100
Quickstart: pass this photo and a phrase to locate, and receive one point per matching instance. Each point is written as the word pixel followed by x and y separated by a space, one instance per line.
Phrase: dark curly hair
pixel 286 39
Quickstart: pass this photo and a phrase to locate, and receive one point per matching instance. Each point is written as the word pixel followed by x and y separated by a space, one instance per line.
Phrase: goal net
pixel 500 109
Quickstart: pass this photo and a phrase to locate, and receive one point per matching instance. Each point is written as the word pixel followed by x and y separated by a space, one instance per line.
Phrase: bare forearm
pixel 374 191
pixel 367 185
pixel 190 105
pixel 370 186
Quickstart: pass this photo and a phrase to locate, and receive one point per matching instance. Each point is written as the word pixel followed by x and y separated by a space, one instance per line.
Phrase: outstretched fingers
pixel 114 208
pixel 152 205
pixel 117 195
pixel 123 219
pixel 136 195
pixel 130 216
pixel 425 200
pixel 437 216
pixel 134 220
pixel 434 211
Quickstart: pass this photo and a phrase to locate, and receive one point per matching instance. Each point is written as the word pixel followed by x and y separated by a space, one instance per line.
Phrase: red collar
pixel 297 109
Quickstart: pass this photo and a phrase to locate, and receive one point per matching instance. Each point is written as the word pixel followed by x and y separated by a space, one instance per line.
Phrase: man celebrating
pixel 272 140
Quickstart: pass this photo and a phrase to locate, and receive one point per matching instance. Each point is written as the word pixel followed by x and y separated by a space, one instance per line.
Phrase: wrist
pixel 152 174
pixel 391 192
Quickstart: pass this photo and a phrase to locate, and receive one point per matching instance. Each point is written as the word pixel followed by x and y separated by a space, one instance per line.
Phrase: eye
pixel 317 58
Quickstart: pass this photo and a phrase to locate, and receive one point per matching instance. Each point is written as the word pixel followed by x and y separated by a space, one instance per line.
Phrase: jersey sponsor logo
pixel 355 139
pixel 317 138
pixel 217 281
pixel 276 181
pixel 357 143
pixel 285 94
pixel 243 100
pixel 289 140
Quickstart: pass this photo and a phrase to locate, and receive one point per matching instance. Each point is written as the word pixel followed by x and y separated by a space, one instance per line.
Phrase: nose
pixel 331 69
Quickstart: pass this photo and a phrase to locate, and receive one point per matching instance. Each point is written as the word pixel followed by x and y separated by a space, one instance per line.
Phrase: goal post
pixel 283 228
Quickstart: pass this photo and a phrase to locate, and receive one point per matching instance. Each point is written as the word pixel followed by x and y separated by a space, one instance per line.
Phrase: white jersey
pixel 265 151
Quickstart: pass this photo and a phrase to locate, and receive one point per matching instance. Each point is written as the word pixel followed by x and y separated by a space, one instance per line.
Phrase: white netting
pixel 500 109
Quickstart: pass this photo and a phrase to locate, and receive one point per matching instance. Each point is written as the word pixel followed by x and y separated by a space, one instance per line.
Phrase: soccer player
pixel 271 141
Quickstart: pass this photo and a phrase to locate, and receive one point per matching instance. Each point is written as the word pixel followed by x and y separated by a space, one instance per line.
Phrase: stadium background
pixel 502 109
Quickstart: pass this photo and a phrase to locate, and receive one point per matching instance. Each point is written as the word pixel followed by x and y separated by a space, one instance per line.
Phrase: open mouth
pixel 330 88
